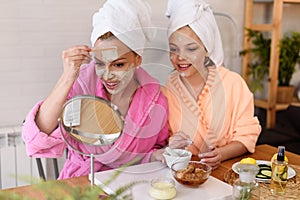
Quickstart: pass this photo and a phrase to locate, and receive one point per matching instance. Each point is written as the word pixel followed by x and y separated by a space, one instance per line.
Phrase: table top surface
pixel 262 152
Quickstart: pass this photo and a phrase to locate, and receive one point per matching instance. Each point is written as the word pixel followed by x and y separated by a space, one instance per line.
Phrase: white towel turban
pixel 128 20
pixel 198 15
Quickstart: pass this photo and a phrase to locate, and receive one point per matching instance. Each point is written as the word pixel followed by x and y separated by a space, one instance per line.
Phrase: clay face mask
pixel 105 54
pixel 109 54
pixel 124 77
pixel 106 74
pixel 179 38
pixel 100 71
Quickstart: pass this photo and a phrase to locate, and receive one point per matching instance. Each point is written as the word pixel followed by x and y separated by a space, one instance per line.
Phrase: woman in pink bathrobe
pixel 211 108
pixel 115 76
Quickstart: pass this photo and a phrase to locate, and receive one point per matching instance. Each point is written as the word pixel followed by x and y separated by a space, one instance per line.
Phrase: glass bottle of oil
pixel 279 173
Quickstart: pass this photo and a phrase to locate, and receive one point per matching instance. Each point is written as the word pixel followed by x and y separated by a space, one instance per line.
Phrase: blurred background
pixel 35 32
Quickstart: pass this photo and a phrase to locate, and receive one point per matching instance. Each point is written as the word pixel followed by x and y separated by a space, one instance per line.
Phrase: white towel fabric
pixel 128 20
pixel 198 15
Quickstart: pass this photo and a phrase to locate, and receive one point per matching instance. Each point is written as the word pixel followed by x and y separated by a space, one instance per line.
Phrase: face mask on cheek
pixel 104 73
pixel 99 72
pixel 124 77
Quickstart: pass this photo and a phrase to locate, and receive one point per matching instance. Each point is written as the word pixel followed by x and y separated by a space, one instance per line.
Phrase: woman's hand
pixel 179 140
pixel 73 58
pixel 158 156
pixel 212 157
pixel 50 110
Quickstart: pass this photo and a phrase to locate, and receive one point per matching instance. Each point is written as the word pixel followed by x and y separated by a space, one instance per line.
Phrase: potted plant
pixel 289 57
pixel 259 67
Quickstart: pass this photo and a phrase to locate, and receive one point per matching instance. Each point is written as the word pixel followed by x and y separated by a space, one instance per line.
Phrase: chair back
pixel 42 171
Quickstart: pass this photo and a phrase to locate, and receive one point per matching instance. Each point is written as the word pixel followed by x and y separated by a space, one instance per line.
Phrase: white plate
pixel 291 171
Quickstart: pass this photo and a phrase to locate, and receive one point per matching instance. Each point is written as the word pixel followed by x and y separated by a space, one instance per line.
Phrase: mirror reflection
pixel 91 120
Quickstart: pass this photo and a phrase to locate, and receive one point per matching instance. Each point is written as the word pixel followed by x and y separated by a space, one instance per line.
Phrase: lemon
pixel 248 161
pixel 275 157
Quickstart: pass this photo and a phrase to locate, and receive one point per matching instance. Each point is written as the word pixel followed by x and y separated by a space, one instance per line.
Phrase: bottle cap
pixel 280 154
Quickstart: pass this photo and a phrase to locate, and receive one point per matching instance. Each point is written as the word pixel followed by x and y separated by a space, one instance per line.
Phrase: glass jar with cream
pixel 162 188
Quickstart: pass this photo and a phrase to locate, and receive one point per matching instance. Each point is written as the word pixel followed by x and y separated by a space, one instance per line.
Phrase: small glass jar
pixel 246 187
pixel 162 188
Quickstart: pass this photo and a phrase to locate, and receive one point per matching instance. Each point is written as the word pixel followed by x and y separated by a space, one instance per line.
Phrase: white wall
pixel 34 32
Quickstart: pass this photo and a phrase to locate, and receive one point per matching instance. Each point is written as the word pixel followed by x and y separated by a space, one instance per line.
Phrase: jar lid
pixel 247 172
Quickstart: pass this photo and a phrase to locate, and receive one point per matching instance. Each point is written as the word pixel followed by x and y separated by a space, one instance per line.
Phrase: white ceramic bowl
pixel 182 156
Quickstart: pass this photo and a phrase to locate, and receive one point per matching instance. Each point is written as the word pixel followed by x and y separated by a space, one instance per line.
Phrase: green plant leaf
pixel 57 190
pixel 260 58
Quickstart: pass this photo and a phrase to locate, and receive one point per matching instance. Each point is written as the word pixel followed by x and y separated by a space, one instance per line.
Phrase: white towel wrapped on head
pixel 199 17
pixel 128 20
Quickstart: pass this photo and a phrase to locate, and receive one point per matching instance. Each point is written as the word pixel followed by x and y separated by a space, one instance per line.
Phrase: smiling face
pixel 115 63
pixel 187 52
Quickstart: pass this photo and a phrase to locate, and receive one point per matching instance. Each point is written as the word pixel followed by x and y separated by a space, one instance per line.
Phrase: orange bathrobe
pixel 223 112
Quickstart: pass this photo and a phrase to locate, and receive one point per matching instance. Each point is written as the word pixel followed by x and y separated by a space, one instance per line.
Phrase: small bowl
pixel 162 188
pixel 193 175
pixel 184 156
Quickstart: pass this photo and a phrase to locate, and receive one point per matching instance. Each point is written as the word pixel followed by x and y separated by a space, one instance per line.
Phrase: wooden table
pixel 262 152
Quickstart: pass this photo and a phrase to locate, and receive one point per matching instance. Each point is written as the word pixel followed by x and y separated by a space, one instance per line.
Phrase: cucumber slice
pixel 264 166
pixel 267 173
pixel 261 176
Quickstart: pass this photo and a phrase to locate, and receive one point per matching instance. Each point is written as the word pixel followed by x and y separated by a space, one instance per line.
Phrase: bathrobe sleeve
pixel 39 144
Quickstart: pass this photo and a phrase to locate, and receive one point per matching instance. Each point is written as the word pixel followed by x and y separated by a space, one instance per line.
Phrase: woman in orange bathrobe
pixel 211 109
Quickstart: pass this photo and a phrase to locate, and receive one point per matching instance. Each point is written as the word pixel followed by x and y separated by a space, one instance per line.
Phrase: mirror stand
pixel 92 171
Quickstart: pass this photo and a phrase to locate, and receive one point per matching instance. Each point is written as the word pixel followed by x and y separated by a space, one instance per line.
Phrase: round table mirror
pixel 92 121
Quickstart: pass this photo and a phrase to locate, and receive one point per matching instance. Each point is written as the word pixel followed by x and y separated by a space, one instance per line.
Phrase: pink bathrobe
pixel 145 129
